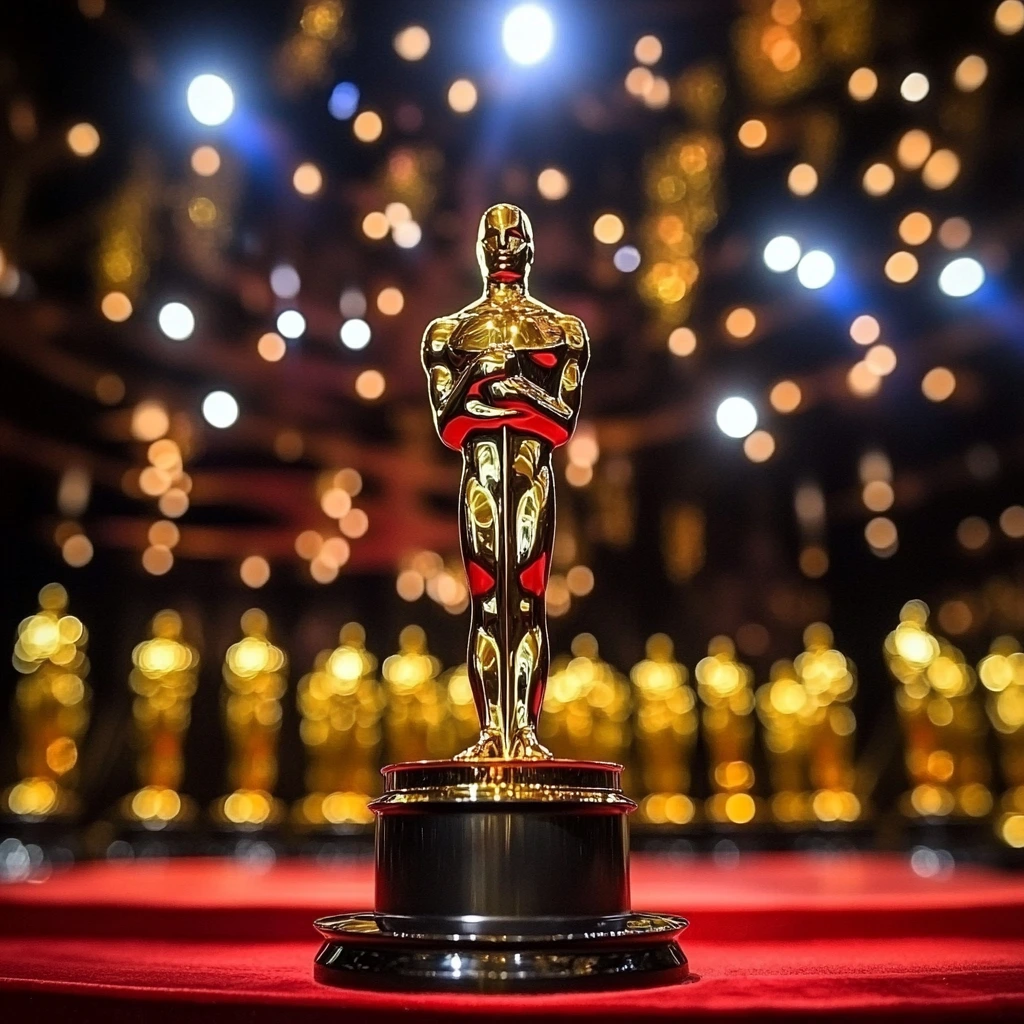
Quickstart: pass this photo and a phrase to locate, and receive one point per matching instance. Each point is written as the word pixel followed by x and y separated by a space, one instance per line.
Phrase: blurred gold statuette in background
pixel 809 730
pixel 416 705
pixel 254 683
pixel 726 689
pixel 51 706
pixel 1002 674
pixel 587 706
pixel 341 703
pixel 943 725
pixel 665 731
pixel 164 680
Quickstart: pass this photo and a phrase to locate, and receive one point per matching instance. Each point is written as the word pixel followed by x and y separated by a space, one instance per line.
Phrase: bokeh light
pixel 271 347
pixel 343 101
pixel 970 73
pixel 291 324
pixel 901 267
pixel 307 179
pixel 462 96
pixel 390 301
pixel 552 184
pixel 802 179
pixel 815 269
pixel 941 169
pixel 205 161
pixel 116 307
pixel 412 43
pixel 914 87
pixel 862 84
pixel 915 228
pixel 938 384
pixel 608 228
pixel 736 417
pixel 83 139
pixel 368 126
pixel 284 281
pixel 370 385
pixel 785 397
pixel 782 253
pixel 176 321
pixel 355 334
pixel 220 409
pixel 865 329
pixel 1009 17
pixel 962 276
pixel 527 33
pixel 648 50
pixel 878 179
pixel 913 149
pixel 752 134
pixel 682 342
pixel 210 99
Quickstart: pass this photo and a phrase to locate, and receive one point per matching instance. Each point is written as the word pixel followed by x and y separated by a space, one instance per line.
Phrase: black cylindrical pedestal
pixel 501 875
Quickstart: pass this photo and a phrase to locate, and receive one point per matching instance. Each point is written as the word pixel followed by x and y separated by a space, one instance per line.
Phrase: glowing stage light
pixel 284 281
pixel 220 409
pixel 291 324
pixel 626 259
pixel 815 269
pixel 355 334
pixel 736 417
pixel 528 33
pixel 210 99
pixel 782 253
pixel 344 101
pixel 961 277
pixel 176 321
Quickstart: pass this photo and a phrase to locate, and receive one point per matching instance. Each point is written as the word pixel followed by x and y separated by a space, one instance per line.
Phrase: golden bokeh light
pixel 323 570
pixel 814 562
pixel 740 322
pixel 109 388
pixel 157 559
pixel 77 550
pixel 941 169
pixel 350 480
pixel 552 184
pixel 271 347
pixel 682 342
pixel 164 533
pixel 205 161
pixel 608 228
pixel 878 179
pixel 580 580
pixel 116 307
pixel 786 396
pixel 639 82
pixel 462 96
pixel 149 421
pixel 412 43
pixel 954 233
pixel 83 139
pixel 368 126
pixel 308 179
pixel 648 50
pixel 759 446
pixel 878 495
pixel 173 503
pixel 862 84
pixel 802 179
pixel 336 502
pixel 410 585
pixel 913 149
pixel 865 329
pixel 881 535
pixel 938 384
pixel 370 385
pixel 308 544
pixel 901 267
pixel 915 228
pixel 970 73
pixel 375 225
pixel 254 571
pixel 1009 17
pixel 659 94
pixel 880 360
pixel 752 133
pixel 577 475
pixel 861 381
pixel 354 523
pixel 1011 521
pixel 973 533
pixel 390 301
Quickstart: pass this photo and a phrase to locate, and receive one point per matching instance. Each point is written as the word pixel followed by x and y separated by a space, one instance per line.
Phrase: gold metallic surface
pixel 504 382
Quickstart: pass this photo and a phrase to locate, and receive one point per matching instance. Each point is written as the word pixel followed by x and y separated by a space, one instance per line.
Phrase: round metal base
pixel 630 950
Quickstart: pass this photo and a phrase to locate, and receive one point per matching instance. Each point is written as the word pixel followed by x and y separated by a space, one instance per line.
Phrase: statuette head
pixel 504 246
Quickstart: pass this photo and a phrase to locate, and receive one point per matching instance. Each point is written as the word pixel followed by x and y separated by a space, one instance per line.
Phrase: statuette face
pixel 504 379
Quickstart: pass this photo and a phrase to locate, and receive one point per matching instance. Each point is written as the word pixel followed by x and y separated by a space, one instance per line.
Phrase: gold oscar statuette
pixel 504 868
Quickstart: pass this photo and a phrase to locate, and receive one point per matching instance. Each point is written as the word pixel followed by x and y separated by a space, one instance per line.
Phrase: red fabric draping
pixel 778 936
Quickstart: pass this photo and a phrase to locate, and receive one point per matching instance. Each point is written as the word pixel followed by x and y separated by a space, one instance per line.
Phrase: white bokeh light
pixel 210 99
pixel 782 253
pixel 528 33
pixel 815 269
pixel 220 409
pixel 285 281
pixel 352 303
pixel 407 234
pixel 961 277
pixel 355 334
pixel 626 259
pixel 736 417
pixel 291 324
pixel 176 321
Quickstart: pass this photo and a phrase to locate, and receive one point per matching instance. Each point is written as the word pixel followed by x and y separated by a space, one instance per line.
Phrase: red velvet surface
pixel 778 936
